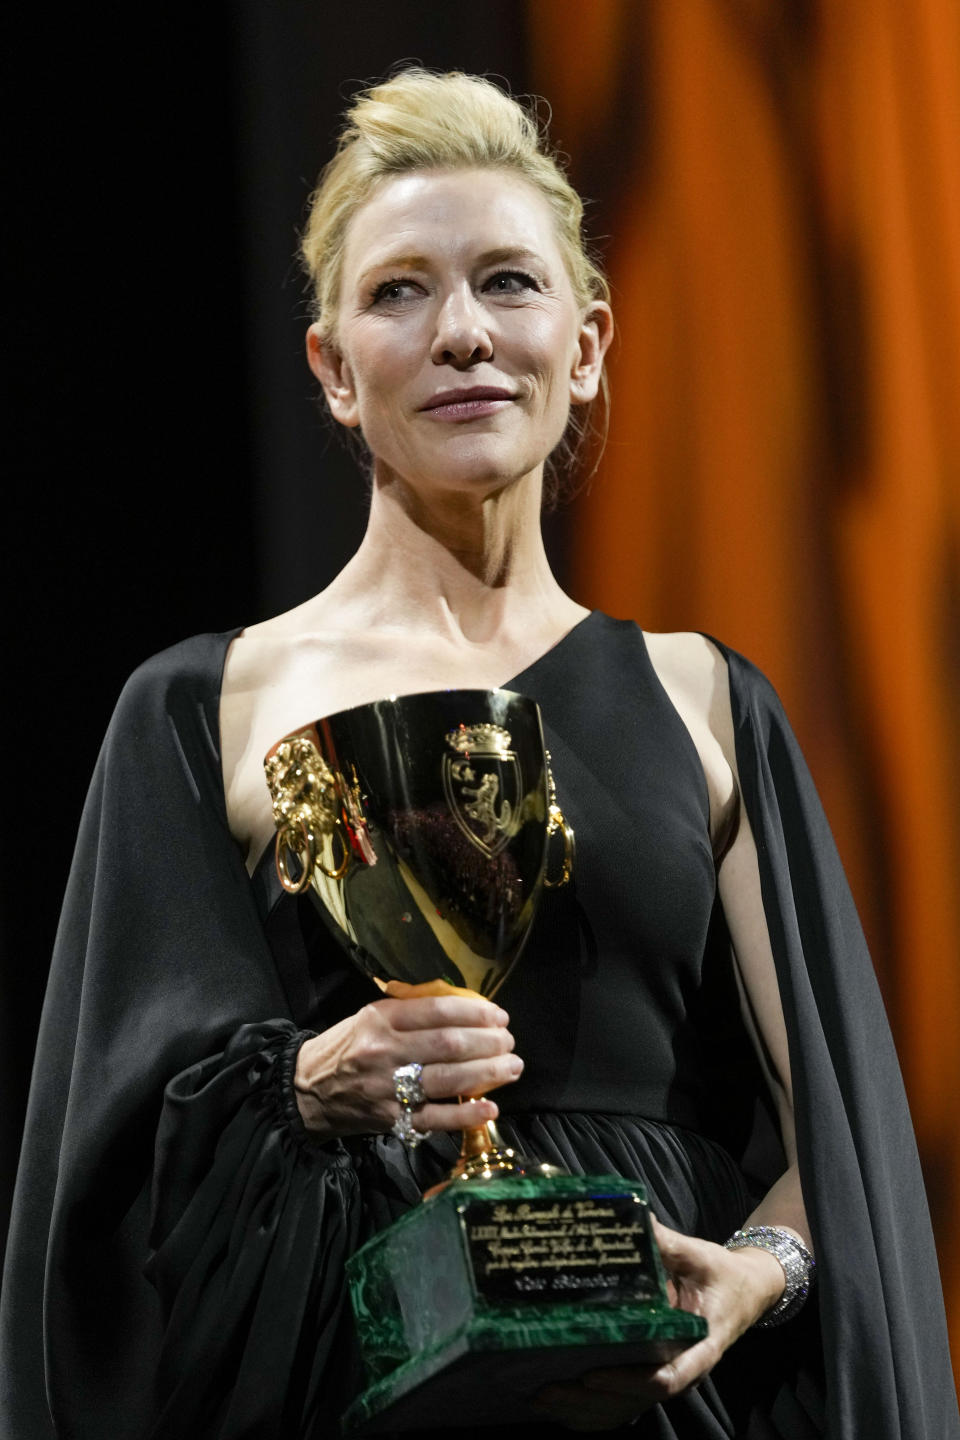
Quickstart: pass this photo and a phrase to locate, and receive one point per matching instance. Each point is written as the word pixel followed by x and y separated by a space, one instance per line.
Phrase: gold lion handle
pixel 296 838
pixel 555 822
pixel 306 810
pixel 305 851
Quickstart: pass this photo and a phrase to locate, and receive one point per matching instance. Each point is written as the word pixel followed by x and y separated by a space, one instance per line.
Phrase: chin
pixel 475 470
pixel 486 483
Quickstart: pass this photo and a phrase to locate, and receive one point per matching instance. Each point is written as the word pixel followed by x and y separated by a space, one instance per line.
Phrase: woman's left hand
pixel 731 1289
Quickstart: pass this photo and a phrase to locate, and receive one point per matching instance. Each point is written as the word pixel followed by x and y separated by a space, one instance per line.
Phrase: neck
pixel 471 568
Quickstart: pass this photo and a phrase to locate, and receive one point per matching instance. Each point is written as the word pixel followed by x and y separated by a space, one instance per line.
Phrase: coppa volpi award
pixel 421 827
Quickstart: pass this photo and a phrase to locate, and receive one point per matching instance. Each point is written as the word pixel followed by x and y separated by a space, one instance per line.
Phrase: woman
pixel 180 1131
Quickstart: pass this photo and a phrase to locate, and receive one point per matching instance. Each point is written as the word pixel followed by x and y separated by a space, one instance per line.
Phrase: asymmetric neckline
pixel 550 653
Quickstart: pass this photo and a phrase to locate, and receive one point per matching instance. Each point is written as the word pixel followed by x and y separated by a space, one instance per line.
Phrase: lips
pixel 471 396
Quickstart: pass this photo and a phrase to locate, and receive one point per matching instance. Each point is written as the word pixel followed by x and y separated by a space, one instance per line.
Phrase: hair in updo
pixel 419 120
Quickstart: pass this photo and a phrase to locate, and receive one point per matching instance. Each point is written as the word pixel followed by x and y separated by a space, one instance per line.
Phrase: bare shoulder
pixel 693 673
pixel 687 655
pixel 273 681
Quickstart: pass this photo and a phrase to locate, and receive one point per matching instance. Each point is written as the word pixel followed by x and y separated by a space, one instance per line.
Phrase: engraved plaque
pixel 587 1248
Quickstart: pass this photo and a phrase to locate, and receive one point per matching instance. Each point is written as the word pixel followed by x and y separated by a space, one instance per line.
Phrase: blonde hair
pixel 419 120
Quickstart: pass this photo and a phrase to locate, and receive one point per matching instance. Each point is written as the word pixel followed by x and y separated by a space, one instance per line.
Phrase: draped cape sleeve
pixel 884 1333
pixel 162 1081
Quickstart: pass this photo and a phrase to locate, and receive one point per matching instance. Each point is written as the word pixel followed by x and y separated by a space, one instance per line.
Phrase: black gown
pixel 182 1239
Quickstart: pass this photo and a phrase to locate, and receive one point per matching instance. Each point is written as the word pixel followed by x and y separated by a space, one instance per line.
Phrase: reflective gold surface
pixel 421 826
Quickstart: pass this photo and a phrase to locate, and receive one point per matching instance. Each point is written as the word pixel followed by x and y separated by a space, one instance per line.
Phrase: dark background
pixel 170 468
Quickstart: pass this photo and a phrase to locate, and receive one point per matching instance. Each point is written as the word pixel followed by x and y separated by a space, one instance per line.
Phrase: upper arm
pixel 740 895
pixel 738 880
pixel 694 675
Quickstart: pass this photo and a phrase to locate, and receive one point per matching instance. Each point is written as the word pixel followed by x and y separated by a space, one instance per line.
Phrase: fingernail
pixel 502 1016
pixel 515 1065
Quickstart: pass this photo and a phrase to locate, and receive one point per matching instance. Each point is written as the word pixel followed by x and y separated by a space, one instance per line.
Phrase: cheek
pixel 550 352
pixel 380 382
pixel 378 369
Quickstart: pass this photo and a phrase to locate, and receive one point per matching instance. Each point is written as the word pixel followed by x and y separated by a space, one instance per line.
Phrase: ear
pixel 334 374
pixel 593 341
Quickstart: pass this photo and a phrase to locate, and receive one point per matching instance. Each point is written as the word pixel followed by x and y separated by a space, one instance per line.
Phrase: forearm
pixel 763 1259
pixel 783 1207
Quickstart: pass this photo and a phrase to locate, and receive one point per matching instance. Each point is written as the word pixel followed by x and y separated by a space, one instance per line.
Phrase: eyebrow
pixel 499 256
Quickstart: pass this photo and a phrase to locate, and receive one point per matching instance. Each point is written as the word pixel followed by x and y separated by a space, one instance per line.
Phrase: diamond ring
pixel 403 1129
pixel 407 1086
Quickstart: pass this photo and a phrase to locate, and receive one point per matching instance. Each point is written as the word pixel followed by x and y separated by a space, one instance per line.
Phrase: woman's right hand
pixel 344 1077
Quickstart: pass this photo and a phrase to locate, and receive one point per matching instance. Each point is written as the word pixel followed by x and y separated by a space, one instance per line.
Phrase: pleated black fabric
pixel 252 1226
pixel 176 1256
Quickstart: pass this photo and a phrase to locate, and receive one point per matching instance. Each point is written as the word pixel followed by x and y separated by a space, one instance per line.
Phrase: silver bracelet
pixel 798 1268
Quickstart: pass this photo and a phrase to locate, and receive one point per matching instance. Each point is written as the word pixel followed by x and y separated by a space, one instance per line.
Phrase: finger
pixel 474 1077
pixel 454 1045
pixel 686 1369
pixel 403 990
pixel 681 1254
pixel 642 1385
pixel 457 1115
pixel 669 1242
pixel 634 1381
pixel 433 1013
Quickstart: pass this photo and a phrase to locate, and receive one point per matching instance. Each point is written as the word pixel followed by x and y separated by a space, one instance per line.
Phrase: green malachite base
pixel 473 1301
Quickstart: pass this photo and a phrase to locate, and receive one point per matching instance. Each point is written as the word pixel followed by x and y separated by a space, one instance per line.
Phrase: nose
pixel 462 337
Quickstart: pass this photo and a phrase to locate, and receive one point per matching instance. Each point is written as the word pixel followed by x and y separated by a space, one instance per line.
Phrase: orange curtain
pixel 781 189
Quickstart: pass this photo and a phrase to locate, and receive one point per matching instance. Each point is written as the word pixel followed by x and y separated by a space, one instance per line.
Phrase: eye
pixel 510 282
pixel 393 291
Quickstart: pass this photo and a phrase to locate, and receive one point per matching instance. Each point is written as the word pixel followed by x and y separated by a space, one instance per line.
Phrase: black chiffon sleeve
pixel 252 1224
pixel 160 1136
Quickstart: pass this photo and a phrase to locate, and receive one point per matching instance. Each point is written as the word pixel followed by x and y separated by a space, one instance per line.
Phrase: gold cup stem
pixel 481 1140
pixel 484 1156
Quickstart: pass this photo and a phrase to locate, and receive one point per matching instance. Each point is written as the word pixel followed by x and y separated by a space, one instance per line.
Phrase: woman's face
pixel 460 346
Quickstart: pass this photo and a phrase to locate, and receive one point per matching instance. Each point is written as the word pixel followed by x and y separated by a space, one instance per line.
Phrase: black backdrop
pixel 170 470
